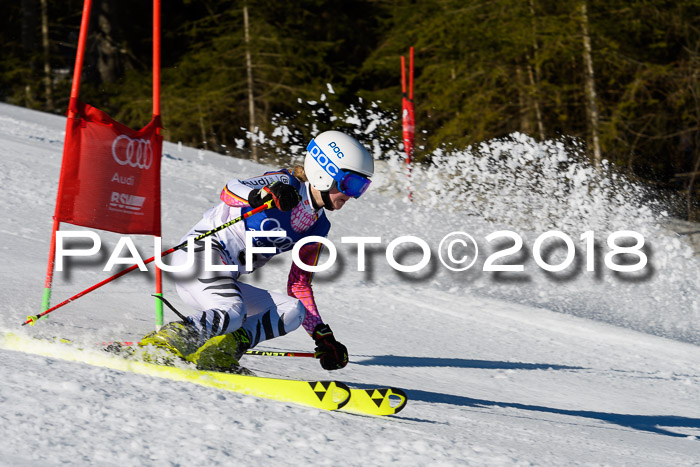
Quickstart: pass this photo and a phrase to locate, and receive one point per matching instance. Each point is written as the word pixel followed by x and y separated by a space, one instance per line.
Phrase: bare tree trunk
pixel 29 43
pixel 591 99
pixel 695 143
pixel 535 78
pixel 28 25
pixel 108 63
pixel 524 102
pixel 689 198
pixel 214 139
pixel 202 128
pixel 48 85
pixel 249 68
pixel 536 102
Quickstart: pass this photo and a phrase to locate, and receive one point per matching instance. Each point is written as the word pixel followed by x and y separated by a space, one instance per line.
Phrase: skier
pixel 230 316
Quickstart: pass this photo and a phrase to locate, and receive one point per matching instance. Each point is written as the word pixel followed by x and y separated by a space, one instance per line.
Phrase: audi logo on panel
pixel 132 152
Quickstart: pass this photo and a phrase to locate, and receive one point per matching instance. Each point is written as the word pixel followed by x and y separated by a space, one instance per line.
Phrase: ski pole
pixel 32 319
pixel 259 353
pixel 269 353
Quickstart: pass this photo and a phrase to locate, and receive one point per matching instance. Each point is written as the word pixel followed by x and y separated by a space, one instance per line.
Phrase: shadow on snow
pixel 400 361
pixel 650 423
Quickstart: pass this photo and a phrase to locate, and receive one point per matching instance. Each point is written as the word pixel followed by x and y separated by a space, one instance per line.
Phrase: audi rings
pixel 132 152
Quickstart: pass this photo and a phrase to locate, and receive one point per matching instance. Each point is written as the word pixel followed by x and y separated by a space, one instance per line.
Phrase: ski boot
pixel 222 353
pixel 177 338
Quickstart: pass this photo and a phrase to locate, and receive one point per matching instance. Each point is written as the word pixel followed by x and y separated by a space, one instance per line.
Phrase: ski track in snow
pixel 491 379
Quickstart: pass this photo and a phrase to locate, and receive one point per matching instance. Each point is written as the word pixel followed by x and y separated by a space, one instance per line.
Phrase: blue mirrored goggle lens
pixel 353 184
pixel 350 184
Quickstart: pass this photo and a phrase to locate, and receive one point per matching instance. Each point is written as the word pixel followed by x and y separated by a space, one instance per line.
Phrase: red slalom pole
pixel 410 88
pixel 156 113
pixel 80 55
pixel 33 318
pixel 403 75
pixel 72 111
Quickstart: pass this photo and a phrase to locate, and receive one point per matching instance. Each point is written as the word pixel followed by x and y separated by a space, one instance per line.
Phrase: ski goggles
pixel 349 183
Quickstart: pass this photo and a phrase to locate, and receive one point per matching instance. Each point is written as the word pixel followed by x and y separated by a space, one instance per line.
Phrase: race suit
pixel 223 304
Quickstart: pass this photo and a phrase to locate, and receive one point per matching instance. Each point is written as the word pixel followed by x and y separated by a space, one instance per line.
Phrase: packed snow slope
pixel 532 368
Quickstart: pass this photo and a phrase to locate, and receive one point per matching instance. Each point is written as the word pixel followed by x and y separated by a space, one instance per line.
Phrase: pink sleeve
pixel 299 285
pixel 232 199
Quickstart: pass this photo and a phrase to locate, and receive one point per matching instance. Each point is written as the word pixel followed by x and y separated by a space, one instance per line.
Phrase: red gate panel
pixel 110 177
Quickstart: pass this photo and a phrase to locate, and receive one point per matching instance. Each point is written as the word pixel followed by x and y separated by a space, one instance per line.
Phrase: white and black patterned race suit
pixel 223 304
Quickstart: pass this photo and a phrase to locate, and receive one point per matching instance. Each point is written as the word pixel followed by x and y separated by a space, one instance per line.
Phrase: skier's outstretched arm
pixel 332 354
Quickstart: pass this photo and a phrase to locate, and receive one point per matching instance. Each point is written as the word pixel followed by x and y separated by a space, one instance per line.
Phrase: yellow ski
pixel 376 401
pixel 327 395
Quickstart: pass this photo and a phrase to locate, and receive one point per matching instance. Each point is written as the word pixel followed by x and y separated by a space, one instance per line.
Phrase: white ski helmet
pixel 334 157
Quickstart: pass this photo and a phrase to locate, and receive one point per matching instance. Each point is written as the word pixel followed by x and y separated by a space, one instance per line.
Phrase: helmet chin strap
pixel 327 203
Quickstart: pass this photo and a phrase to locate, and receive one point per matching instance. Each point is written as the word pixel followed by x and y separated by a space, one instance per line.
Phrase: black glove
pixel 285 196
pixel 333 354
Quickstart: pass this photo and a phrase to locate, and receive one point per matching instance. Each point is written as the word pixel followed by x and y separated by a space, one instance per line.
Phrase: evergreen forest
pixel 623 77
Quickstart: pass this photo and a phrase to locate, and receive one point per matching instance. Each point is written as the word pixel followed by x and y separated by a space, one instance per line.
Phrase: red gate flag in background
pixel 408 117
pixel 110 178
pixel 409 128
